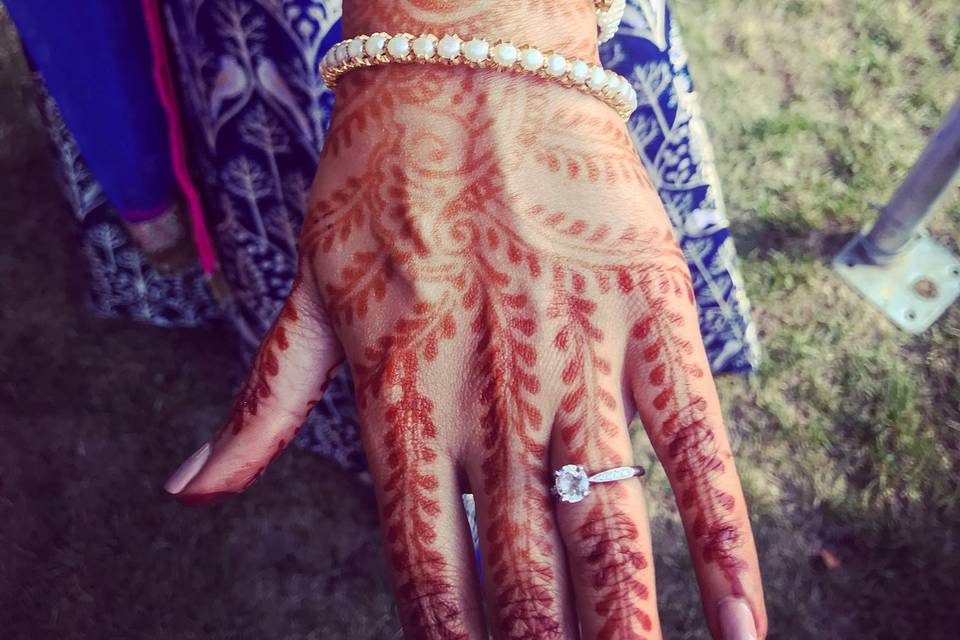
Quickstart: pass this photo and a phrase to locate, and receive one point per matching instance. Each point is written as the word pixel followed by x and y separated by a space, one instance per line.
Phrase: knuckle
pixel 720 539
pixel 691 444
pixel 430 609
pixel 609 545
pixel 612 558
pixel 527 608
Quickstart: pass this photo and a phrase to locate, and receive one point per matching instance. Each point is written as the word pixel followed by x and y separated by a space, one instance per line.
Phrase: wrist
pixel 568 26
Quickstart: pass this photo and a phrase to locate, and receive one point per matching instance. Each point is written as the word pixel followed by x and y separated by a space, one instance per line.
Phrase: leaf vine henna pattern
pixel 475 252
pixel 581 146
pixel 257 388
pixel 690 433
pixel 610 545
pixel 519 515
pixel 429 606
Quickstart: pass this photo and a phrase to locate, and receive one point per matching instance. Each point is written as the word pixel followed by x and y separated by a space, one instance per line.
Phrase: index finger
pixel 677 401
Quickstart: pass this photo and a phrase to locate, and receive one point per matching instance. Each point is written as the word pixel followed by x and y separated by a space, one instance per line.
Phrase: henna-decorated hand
pixel 489 255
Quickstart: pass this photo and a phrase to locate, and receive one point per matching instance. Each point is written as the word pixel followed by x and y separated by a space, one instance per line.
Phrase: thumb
pixel 291 370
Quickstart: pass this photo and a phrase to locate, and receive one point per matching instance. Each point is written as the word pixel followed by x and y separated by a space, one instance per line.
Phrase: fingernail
pixel 736 620
pixel 188 470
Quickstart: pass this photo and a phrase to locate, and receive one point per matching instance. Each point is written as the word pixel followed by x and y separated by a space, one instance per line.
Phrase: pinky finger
pixel 678 405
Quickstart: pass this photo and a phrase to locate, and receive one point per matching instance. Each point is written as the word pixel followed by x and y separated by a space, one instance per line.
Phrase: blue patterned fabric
pixel 672 140
pixel 258 112
pixel 121 281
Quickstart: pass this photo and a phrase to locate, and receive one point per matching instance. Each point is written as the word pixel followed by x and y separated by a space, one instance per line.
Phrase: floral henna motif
pixel 266 367
pixel 683 422
pixel 391 371
pixel 610 547
pixel 433 233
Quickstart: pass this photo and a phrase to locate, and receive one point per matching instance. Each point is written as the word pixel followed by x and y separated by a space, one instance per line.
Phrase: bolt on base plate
pixel 913 290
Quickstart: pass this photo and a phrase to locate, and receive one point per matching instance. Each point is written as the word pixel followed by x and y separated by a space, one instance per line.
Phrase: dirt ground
pixel 847 437
pixel 93 417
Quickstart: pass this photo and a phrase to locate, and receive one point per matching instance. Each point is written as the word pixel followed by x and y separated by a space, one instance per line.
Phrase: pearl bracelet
pixel 405 48
pixel 609 15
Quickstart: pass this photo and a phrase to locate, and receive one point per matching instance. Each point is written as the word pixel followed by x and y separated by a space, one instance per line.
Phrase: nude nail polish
pixel 736 620
pixel 188 470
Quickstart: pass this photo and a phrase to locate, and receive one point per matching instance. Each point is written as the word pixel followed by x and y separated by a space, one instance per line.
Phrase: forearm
pixel 567 26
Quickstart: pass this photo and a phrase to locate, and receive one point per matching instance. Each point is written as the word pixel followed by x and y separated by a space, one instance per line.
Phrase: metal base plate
pixel 914 290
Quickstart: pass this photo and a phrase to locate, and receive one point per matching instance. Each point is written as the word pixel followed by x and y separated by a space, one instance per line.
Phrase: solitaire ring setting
pixel 571 482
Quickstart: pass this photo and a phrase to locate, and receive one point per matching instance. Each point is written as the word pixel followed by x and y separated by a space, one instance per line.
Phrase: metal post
pixel 912 202
pixel 909 276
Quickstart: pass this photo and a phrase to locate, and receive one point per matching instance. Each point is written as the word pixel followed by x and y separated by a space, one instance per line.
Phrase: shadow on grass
pixel 759 238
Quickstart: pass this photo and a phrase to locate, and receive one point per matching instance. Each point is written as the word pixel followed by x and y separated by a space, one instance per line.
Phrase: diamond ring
pixel 572 484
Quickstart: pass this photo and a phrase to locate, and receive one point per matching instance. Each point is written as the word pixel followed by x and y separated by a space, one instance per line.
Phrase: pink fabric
pixel 168 100
pixel 141 215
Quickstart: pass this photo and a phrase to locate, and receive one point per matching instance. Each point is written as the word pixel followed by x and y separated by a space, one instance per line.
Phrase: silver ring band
pixel 571 482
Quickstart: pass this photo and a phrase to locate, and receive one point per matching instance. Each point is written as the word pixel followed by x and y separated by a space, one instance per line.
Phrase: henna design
pixel 266 366
pixel 588 404
pixel 581 146
pixel 428 234
pixel 689 431
pixel 610 546
pixel 519 516
pixel 428 597
pixel 587 418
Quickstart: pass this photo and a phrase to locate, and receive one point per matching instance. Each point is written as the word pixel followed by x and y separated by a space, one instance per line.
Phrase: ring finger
pixel 607 533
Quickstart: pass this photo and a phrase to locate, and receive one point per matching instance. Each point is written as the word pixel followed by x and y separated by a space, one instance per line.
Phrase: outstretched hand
pixel 490 257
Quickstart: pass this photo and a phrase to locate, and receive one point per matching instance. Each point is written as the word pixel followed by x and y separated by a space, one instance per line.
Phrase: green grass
pixel 847 437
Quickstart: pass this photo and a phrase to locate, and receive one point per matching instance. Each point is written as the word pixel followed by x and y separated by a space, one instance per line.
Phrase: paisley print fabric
pixel 258 112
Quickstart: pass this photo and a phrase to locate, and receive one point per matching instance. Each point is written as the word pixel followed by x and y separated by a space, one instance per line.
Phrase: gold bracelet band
pixel 405 48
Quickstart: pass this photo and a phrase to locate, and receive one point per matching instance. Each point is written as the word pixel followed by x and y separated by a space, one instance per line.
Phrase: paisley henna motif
pixel 434 255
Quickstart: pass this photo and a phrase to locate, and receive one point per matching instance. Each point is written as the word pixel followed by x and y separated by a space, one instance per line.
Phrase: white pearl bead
pixel 624 91
pixel 476 50
pixel 556 65
pixel 598 78
pixel 423 47
pixel 505 54
pixel 449 47
pixel 399 46
pixel 531 59
pixel 613 83
pixel 375 44
pixel 355 48
pixel 579 71
pixel 343 53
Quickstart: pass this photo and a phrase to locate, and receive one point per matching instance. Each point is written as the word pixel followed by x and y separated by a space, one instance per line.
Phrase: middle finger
pixel 524 571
